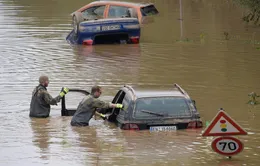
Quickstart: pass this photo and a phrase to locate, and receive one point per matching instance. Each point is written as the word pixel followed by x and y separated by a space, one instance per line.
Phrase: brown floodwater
pixel 210 52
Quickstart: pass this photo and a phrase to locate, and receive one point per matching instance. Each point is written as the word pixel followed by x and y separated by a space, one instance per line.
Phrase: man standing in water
pixel 41 99
pixel 87 107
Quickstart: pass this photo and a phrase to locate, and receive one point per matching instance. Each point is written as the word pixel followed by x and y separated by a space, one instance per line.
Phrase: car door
pixel 115 11
pixel 74 95
pixel 94 12
pixel 117 100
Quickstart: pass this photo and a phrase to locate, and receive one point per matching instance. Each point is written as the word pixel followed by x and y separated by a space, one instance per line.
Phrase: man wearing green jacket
pixel 87 107
pixel 41 99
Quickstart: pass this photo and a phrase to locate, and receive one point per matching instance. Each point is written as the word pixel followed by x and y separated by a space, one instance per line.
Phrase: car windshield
pixel 162 107
pixel 149 10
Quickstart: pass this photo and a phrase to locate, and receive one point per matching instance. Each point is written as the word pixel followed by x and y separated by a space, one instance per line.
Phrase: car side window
pixel 119 12
pixel 95 11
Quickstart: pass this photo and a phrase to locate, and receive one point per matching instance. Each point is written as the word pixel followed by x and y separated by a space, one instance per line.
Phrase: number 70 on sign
pixel 231 146
pixel 227 146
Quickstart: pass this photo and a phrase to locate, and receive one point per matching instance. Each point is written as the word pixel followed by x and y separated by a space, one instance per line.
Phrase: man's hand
pixel 64 91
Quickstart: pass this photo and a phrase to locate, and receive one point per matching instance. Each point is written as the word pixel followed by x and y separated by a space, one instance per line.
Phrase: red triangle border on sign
pixel 230 120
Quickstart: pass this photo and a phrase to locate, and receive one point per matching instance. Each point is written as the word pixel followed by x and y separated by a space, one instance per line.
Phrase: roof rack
pixel 131 89
pixel 181 90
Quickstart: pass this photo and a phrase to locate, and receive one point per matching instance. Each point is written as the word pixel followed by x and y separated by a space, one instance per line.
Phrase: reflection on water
pixel 41 129
pixel 205 48
pixel 87 141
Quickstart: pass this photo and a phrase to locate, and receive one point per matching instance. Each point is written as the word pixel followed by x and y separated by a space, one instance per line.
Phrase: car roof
pixel 141 4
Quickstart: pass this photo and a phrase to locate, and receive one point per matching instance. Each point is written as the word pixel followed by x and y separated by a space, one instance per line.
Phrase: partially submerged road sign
pixel 227 146
pixel 223 125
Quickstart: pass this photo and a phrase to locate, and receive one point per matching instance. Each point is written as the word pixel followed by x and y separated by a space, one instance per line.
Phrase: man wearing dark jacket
pixel 41 99
pixel 87 107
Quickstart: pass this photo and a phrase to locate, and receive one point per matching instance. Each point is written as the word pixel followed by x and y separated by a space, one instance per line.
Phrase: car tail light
pixel 134 40
pixel 88 42
pixel 199 124
pixel 130 126
pixel 194 124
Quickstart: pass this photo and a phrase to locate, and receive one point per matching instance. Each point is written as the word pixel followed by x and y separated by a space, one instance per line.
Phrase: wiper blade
pixel 150 112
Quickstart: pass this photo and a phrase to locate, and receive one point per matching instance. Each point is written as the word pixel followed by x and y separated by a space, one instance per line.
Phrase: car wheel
pixel 76 20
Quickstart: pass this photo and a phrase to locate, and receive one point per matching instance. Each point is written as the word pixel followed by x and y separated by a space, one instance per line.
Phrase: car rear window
pixel 162 107
pixel 149 10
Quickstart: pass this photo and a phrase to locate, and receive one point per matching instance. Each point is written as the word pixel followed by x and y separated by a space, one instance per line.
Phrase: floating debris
pixel 252 99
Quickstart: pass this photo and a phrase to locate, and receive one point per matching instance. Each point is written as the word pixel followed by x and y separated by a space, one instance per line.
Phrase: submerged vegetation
pixel 254 10
pixel 253 97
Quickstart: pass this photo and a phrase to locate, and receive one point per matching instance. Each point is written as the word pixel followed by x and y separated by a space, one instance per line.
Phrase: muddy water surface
pixel 211 54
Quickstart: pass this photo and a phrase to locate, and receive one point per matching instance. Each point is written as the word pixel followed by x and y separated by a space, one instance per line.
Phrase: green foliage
pixel 254 10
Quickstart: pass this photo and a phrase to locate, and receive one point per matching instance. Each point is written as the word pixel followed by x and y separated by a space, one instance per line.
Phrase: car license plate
pixel 163 128
pixel 110 27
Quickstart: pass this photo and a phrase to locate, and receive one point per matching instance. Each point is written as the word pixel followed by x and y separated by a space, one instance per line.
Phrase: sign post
pixel 224 126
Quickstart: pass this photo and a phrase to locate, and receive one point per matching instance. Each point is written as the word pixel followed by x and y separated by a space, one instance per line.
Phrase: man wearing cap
pixel 41 99
pixel 87 107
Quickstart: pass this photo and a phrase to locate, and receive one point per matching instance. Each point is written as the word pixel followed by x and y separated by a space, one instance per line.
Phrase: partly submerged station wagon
pixel 102 21
pixel 155 110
